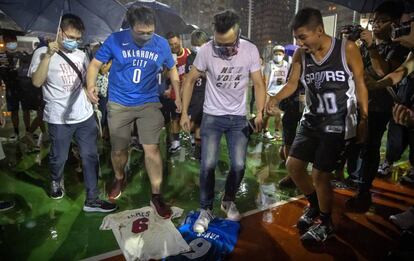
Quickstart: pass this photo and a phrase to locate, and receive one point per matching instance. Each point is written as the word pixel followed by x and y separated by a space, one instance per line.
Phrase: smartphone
pixel 252 125
pixel 394 95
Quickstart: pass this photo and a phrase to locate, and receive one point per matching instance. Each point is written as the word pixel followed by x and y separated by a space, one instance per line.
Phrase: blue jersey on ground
pixel 214 244
pixel 133 75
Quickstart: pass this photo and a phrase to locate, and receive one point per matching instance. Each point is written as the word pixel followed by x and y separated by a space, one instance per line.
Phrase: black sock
pixel 313 200
pixel 325 218
pixel 176 136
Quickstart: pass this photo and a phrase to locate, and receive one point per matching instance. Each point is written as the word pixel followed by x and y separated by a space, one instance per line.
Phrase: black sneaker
pixel 318 233
pixel 98 205
pixel 197 152
pixel 6 205
pixel 360 202
pixel 56 190
pixel 307 219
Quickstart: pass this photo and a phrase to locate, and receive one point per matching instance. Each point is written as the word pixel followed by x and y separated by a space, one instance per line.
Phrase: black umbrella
pixel 368 6
pixel 101 17
pixel 166 18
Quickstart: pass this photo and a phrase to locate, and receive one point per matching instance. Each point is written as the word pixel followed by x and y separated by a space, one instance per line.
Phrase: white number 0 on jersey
pixel 136 78
pixel 327 102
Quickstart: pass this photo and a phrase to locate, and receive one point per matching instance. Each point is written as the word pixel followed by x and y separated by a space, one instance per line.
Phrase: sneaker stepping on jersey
pixel 142 235
pixel 214 244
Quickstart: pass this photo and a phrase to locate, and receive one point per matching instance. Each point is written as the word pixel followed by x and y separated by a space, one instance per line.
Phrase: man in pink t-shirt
pixel 227 61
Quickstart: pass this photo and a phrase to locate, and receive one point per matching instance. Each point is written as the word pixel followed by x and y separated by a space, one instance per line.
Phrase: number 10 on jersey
pixel 327 103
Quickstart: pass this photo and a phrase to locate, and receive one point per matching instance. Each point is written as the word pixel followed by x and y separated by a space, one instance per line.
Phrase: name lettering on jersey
pixel 139 214
pixel 319 78
pixel 209 235
pixel 229 77
pixel 140 54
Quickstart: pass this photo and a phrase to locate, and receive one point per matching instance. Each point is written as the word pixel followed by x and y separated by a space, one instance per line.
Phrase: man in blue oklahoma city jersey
pixel 137 55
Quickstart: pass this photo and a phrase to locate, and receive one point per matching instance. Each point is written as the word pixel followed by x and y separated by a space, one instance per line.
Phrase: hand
pixel 185 122
pixel 407 40
pixel 271 105
pixel 178 105
pixel 52 48
pixel 91 93
pixel 362 131
pixel 403 115
pixel 258 122
pixel 370 81
pixel 367 37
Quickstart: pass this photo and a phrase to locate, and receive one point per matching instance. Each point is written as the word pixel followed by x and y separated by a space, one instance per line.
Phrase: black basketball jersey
pixel 330 92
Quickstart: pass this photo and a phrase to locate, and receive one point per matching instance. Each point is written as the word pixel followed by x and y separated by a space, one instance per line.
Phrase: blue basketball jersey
pixel 214 244
pixel 133 75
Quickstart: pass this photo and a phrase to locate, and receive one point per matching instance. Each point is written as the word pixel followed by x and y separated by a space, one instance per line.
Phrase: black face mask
pixel 142 39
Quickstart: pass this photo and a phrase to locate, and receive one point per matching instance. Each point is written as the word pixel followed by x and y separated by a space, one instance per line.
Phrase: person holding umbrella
pixel 67 110
pixel 137 56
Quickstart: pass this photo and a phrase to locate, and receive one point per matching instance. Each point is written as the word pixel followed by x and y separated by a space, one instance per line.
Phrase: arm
pixel 396 76
pixel 354 61
pixel 188 86
pixel 175 82
pixel 292 84
pixel 260 94
pixel 40 75
pixel 91 75
pixel 379 65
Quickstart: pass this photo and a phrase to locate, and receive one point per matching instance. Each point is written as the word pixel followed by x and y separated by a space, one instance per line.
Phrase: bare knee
pixel 295 167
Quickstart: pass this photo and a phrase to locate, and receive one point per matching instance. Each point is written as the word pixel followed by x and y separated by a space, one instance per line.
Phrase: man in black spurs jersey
pixel 331 71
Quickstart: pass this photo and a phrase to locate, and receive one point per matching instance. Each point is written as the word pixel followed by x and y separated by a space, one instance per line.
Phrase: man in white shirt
pixel 228 62
pixel 67 110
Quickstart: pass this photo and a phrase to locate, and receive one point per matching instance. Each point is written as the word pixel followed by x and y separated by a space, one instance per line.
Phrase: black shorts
pixel 324 150
pixel 169 110
pixel 14 95
pixel 290 120
pixel 195 110
pixel 31 96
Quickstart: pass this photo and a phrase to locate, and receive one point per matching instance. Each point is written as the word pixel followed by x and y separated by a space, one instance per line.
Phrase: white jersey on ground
pixel 277 75
pixel 143 235
pixel 63 93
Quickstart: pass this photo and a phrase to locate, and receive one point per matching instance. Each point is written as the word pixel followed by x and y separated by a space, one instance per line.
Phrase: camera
pixel 398 30
pixel 352 30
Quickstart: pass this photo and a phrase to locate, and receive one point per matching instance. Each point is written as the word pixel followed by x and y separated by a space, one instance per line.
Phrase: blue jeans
pixel 236 130
pixel 85 135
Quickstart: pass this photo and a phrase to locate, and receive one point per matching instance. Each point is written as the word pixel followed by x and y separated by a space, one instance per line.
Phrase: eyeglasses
pixel 379 21
pixel 78 40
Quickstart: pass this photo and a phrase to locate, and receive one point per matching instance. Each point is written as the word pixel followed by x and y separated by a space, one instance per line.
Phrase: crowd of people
pixel 332 105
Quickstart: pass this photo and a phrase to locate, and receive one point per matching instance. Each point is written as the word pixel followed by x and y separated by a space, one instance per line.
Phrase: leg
pixel 120 119
pixel 297 171
pixel 371 154
pixel 237 139
pixel 60 137
pixel 211 132
pixel 153 164
pixel 322 183
pixel 86 134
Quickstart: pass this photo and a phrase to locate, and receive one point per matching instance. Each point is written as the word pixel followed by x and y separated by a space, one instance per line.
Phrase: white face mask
pixel 278 58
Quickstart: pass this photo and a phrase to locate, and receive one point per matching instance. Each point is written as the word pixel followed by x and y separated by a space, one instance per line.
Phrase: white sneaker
pixel 404 220
pixel 175 146
pixel 201 224
pixel 229 207
pixel 268 136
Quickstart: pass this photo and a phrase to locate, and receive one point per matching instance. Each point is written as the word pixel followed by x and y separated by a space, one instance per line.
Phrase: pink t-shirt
pixel 227 80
